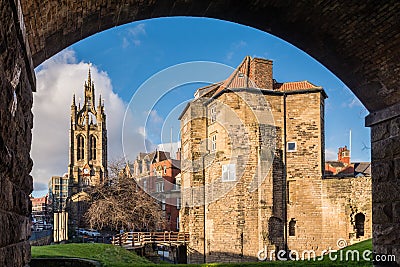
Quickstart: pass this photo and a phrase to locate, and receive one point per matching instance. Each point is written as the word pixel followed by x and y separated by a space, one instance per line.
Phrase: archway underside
pixel 357 41
pixel 360 43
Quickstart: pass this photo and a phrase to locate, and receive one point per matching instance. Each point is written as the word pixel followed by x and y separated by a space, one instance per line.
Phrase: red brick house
pixel 156 173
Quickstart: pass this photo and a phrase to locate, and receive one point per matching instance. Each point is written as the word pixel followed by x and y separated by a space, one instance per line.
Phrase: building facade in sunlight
pixel 88 141
pixel 158 174
pixel 252 171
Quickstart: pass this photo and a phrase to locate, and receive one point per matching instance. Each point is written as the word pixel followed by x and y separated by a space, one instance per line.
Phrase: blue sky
pixel 125 57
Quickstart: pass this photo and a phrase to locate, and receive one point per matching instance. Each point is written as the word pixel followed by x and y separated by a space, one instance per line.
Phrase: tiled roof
pixel 202 91
pixel 363 168
pixel 239 78
pixel 294 86
pixel 336 164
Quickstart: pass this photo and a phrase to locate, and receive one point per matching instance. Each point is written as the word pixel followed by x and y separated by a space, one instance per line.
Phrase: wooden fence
pixel 132 240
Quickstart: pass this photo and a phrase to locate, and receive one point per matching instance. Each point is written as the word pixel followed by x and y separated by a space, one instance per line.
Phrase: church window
pixel 292 227
pixel 359 227
pixel 81 147
pixel 92 151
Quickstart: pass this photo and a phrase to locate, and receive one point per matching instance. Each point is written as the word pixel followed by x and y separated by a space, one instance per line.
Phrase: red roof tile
pixel 294 86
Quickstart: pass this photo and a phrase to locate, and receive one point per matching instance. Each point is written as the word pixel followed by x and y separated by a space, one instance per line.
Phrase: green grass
pixel 112 256
pixel 107 255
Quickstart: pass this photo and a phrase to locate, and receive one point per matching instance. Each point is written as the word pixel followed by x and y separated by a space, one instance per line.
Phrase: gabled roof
pixel 362 168
pixel 239 78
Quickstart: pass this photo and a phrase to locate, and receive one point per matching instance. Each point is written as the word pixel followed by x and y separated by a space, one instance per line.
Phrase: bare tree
pixel 122 203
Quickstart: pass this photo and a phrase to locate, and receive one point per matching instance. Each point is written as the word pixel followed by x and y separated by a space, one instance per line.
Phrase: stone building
pixel 156 173
pixel 88 141
pixel 253 171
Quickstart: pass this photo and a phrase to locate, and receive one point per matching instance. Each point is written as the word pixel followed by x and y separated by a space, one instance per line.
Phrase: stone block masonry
pixel 16 120
pixel 254 172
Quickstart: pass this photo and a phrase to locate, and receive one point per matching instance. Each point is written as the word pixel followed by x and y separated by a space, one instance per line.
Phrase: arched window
pixel 92 151
pixel 292 227
pixel 360 220
pixel 80 154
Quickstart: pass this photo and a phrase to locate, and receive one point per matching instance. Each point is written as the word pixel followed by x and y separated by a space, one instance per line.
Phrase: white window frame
pixel 165 169
pixel 228 173
pixel 213 113
pixel 178 203
pixel 291 150
pixel 214 142
pixel 160 187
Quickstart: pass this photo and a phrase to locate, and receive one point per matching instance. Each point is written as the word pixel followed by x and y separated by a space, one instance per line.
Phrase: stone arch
pixel 342 45
pixel 336 33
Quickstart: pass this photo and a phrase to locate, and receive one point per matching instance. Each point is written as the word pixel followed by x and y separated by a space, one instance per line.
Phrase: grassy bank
pixel 111 256
pixel 107 255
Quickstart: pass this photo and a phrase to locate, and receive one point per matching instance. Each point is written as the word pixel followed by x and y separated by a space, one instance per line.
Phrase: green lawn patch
pixel 112 256
pixel 107 255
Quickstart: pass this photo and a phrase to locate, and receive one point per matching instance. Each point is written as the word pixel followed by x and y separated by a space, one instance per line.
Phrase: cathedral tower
pixel 88 141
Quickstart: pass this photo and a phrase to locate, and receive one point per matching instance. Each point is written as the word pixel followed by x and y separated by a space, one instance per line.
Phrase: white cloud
pixel 134 35
pixel 139 29
pixel 330 154
pixel 353 102
pixel 234 48
pixel 57 80
pixel 154 117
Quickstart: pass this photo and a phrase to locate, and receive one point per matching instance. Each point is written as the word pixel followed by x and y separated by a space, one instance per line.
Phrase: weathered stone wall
pixel 16 120
pixel 193 138
pixel 385 137
pixel 253 212
pixel 342 199
pixel 304 169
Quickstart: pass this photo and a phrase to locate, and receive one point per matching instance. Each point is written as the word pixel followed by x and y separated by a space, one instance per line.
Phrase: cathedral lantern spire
pixel 89 78
pixel 88 141
pixel 89 92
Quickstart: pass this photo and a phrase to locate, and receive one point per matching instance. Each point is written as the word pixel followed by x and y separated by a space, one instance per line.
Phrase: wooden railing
pixel 139 239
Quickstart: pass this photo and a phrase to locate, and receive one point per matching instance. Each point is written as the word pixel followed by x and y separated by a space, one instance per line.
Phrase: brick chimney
pixel 178 154
pixel 261 73
pixel 344 155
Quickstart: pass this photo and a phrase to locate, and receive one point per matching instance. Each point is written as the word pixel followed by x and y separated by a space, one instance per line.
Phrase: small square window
pixel 291 146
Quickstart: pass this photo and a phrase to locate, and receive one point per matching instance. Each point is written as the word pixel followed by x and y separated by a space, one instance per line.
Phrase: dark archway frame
pixel 359 41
